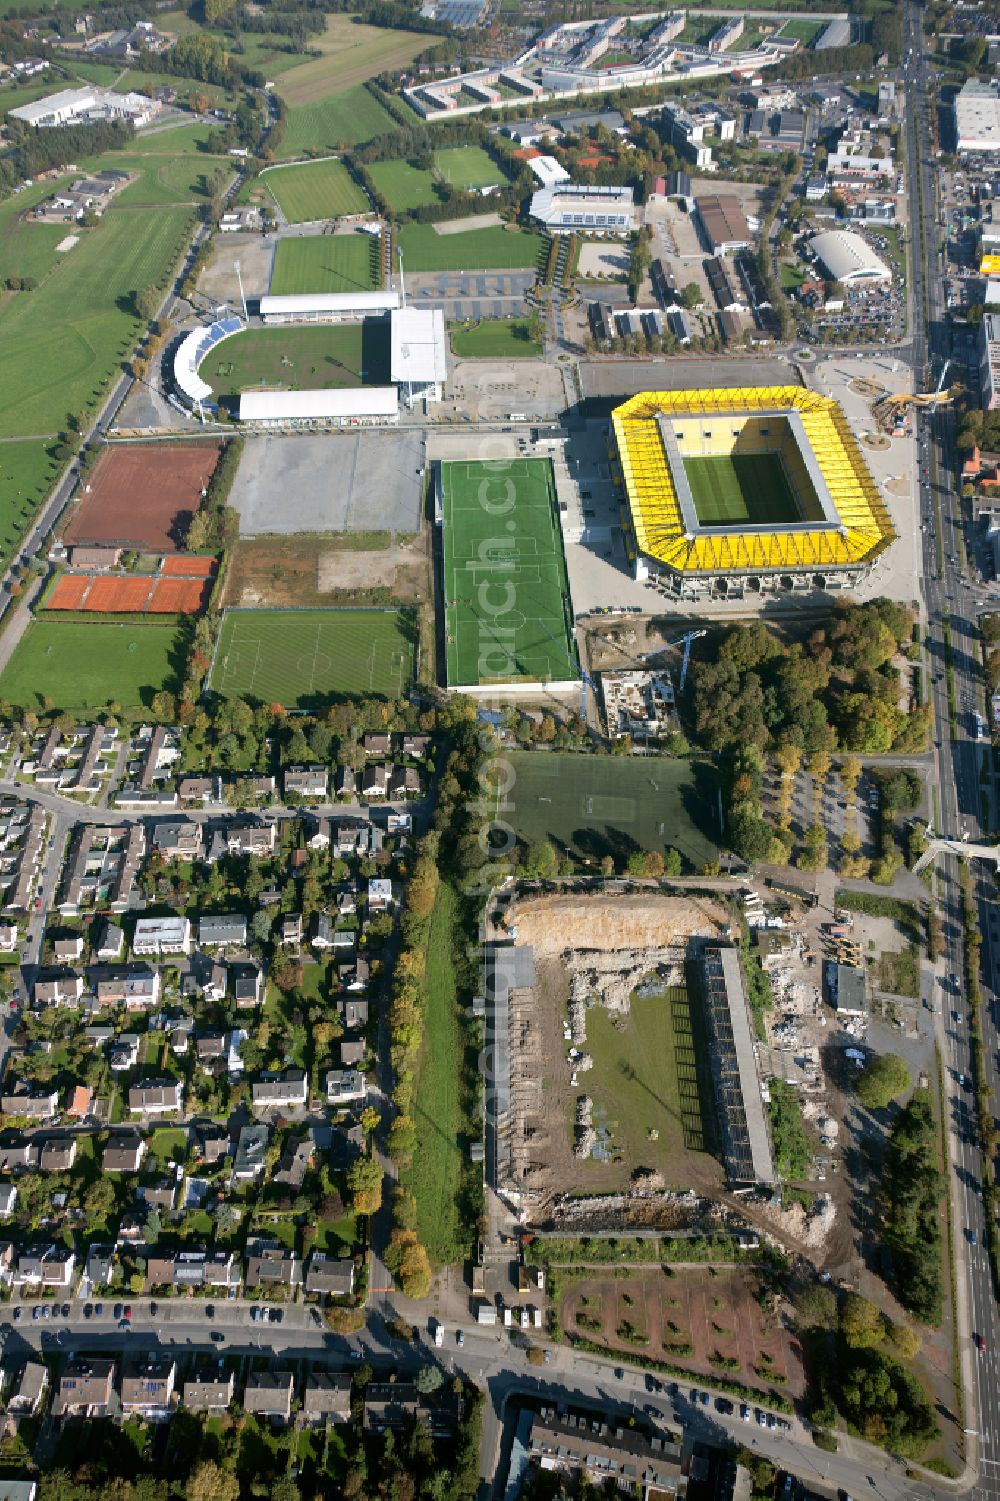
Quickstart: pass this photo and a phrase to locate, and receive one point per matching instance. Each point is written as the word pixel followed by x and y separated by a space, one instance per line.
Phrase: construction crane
pixel 686 660
pixel 585 678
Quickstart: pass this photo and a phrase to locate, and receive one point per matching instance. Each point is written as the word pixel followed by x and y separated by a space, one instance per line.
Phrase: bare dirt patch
pixel 570 921
pixel 604 260
pixel 325 570
pixel 143 495
pixel 219 280
pixel 474 221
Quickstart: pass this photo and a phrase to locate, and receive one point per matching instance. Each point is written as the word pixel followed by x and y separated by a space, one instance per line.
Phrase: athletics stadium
pixel 760 489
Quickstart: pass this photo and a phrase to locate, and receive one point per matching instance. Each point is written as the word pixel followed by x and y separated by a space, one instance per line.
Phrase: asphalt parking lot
pixel 471 294
pixel 330 482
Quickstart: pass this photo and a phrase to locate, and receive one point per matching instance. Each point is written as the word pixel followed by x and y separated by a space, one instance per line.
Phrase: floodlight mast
pixel 243 300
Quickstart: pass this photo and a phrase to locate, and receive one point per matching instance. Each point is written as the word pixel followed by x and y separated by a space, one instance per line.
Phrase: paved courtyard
pixel 333 482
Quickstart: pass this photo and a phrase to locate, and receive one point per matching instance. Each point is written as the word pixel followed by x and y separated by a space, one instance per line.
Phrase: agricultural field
pixel 304 658
pixel 79 665
pixel 404 186
pixel 27 472
pixel 469 167
pixel 327 263
pixel 315 190
pixel 298 359
pixel 495 339
pixel 26 247
pixel 598 806
pixel 63 342
pixel 331 124
pixel 351 53
pixel 493 249
pixel 180 140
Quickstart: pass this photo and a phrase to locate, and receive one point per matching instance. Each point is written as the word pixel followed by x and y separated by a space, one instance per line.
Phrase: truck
pixel 437 1332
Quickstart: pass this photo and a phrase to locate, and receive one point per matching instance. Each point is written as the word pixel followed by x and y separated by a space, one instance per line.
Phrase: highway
pixel 951 607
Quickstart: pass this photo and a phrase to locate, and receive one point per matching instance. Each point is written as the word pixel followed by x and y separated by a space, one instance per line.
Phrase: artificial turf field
pixel 302 658
pixel 732 488
pixel 315 190
pixel 507 609
pixel 83 665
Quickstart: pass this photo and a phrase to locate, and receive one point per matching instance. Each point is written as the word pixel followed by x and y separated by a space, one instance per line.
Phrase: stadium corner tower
pixel 759 489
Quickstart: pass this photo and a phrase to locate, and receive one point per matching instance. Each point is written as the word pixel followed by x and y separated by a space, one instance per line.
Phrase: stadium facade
pixel 754 490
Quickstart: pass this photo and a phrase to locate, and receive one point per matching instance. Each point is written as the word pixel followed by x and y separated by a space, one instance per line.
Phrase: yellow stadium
pixel 759 488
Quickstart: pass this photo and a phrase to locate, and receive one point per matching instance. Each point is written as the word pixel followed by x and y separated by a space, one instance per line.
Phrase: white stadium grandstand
pixel 363 406
pixel 419 360
pixel 190 387
pixel 329 307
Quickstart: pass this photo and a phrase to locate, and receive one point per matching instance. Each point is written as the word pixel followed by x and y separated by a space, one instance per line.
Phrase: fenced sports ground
pixel 507 609
pixel 303 658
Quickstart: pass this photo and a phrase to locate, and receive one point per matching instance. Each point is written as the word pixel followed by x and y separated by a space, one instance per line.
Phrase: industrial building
pixel 723 223
pixel 977 117
pixel 570 209
pixel 815 518
pixel 847 258
pixel 328 307
pixel 86 106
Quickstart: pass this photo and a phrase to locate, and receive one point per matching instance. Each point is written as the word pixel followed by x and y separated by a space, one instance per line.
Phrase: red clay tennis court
pixel 69 592
pixel 144 495
pixel 188 567
pixel 179 596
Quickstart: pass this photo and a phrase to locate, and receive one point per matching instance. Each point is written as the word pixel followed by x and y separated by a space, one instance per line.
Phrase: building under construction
pixel 746 1141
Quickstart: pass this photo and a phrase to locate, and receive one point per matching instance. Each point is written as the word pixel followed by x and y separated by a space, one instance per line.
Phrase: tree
pixel 672 863
pixel 816 1306
pixel 364 1183
pixel 861 1323
pixel 883 1078
pixel 415 1271
pixel 905 1341
pixel 146 301
pixel 370 1120
pixel 210 1482
pixel 692 295
pixel 428 1379
pixel 541 861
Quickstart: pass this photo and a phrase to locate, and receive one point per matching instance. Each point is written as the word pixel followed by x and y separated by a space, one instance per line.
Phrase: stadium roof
pixel 418 346
pixel 329 302
pixel 307 406
pixel 192 350
pixel 848 258
pixel 663 532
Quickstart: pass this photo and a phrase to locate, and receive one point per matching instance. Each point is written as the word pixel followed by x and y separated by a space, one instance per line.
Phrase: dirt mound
pixel 604 921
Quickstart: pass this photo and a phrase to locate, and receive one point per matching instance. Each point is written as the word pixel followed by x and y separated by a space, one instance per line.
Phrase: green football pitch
pixel 734 488
pixel 303 658
pixel 315 190
pixel 507 609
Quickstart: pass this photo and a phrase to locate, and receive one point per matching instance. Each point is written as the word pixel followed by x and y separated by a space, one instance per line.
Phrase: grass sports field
pixel 596 806
pixel 330 124
pixel 494 249
pixel 301 658
pixel 732 488
pixel 532 638
pixel 469 167
pixel 80 665
pixel 315 190
pixel 404 186
pixel 496 339
pixel 299 359
pixel 327 263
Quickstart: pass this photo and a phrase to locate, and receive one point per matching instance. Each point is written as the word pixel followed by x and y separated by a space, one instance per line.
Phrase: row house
pixel 268 1394
pixel 18 1153
pixel 307 782
pixel 211 1389
pixel 271 1265
pixel 48 1267
pixel 222 931
pixel 86 1387
pixel 28 860
pixel 192 1267
pixel 178 839
pixel 286 1090
pixel 330 1276
pixel 34 1103
pixel 134 986
pixel 102 866
pixel 148 1387
pixel 59 988
pixel 161 754
pixel 170 934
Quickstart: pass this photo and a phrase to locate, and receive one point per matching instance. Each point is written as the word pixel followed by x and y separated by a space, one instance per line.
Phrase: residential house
pixel 123 1053
pixel 225 931
pixel 44 1266
pixel 346 784
pixel 203 790
pixel 318 832
pixel 136 986
pixel 573 1446
pixel 416 746
pixel 271 1265
pixel 63 988
pixel 148 1387
pixel 375 780
pixel 57 1154
pixel 390 1406
pixel 352 1052
pixel 24 1099
pixel 8 937
pixel 345 1087
pixel 17 1153
pixel 351 836
pixel 246 836
pixel 68 947
pixel 78 1105
pixel 85 1387
pixel 307 782
pixel 294 1164
pixel 192 1266
pixel 161 1195
pixel 110 943
pixel 353 1013
pixel 330 1276
pixel 354 976
pixel 211 1049
pixel 210 1389
pixel 379 895
pixel 268 1394
pixel 123 1154
pixel 327 1397
pixel 156 1097
pixel 322 932
pixel 376 745
pixel 248 984
pixel 405 782
pixel 162 935
pixel 8 1198
pixel 291 930
pixel 347 901
pixel 250 1158
pixel 212 1142
pixel 285 1090
pixel 30 1386
pixel 99 1268
pixel 178 839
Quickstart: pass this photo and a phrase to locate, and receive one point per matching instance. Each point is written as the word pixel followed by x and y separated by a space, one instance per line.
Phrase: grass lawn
pixel 731 488
pixel 493 249
pixel 495 339
pixel 799 29
pixel 163 176
pixel 793 274
pixel 899 973
pixel 28 248
pixel 403 186
pixel 330 124
pixel 63 342
pixel 327 263
pixel 299 658
pixel 169 1141
pixel 292 359
pixel 79 665
pixel 315 190
pixel 27 471
pixel 351 53
pixel 596 806
pixel 337 1236
pixel 644 1080
pixel 436 1171
pixel 469 167
pixel 179 140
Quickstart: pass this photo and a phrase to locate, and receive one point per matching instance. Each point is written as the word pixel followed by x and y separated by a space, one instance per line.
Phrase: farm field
pixel 402 185
pixel 302 658
pixel 342 119
pixel 63 342
pixel 352 53
pixel 164 176
pixel 496 339
pixel 469 167
pixel 536 643
pixel 79 665
pixel 298 359
pixel 493 249
pixel 316 190
pixel 735 488
pixel 27 472
pixel 326 263
pixel 596 807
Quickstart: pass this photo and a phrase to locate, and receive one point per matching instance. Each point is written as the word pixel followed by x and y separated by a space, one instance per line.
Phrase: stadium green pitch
pixel 304 658
pixel 507 611
pixel 731 489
